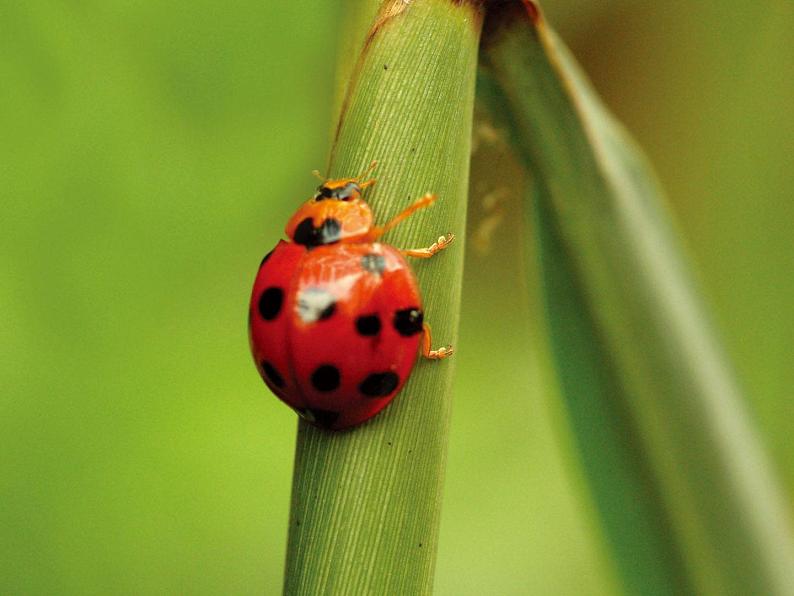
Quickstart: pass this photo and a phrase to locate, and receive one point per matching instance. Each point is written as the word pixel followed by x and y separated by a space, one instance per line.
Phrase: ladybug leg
pixel 426 253
pixel 372 165
pixel 421 203
pixel 429 353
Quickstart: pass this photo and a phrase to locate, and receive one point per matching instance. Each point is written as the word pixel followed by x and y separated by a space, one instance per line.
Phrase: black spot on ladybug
pixel 379 384
pixel 323 418
pixel 272 374
pixel 373 263
pixel 270 303
pixel 305 232
pixel 315 304
pixel 326 378
pixel 368 325
pixel 266 257
pixel 327 232
pixel 408 321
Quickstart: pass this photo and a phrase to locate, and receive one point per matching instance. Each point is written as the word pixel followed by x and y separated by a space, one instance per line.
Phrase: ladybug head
pixel 346 189
pixel 335 212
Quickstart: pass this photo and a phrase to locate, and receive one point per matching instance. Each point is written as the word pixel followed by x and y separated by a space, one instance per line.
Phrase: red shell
pixel 335 330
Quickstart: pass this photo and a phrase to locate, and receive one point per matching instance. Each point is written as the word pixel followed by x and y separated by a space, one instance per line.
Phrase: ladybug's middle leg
pixel 427 341
pixel 436 247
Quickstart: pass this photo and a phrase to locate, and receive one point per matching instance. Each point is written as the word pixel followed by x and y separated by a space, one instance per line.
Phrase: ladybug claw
pixel 436 247
pixel 441 353
pixel 427 340
pixel 425 201
pixel 444 241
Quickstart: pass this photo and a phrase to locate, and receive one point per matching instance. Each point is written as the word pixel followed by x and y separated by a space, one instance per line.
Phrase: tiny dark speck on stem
pixel 385 67
pixel 420 545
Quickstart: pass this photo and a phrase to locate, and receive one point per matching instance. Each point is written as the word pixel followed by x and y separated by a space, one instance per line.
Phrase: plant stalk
pixel 366 503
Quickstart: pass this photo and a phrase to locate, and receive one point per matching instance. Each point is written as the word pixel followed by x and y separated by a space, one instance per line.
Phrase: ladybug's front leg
pixel 426 253
pixel 421 203
pixel 429 353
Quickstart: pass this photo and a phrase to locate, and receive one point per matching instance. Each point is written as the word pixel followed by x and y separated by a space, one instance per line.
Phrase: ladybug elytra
pixel 335 319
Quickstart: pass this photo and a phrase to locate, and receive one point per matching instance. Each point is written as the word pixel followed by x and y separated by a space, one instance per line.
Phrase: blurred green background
pixel 150 153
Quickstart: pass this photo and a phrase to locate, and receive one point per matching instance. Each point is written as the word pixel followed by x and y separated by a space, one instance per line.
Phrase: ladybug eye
pixel 323 192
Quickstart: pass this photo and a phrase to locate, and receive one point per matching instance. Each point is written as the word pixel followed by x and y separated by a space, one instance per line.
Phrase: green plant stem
pixel 686 495
pixel 366 502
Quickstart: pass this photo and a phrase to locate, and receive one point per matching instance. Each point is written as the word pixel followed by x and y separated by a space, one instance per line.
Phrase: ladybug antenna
pixel 316 174
pixel 366 172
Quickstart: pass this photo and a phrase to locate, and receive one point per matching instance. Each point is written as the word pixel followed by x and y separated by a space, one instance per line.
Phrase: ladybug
pixel 335 319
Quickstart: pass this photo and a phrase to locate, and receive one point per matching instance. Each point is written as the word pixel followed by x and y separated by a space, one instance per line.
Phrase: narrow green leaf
pixel 686 496
pixel 366 502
